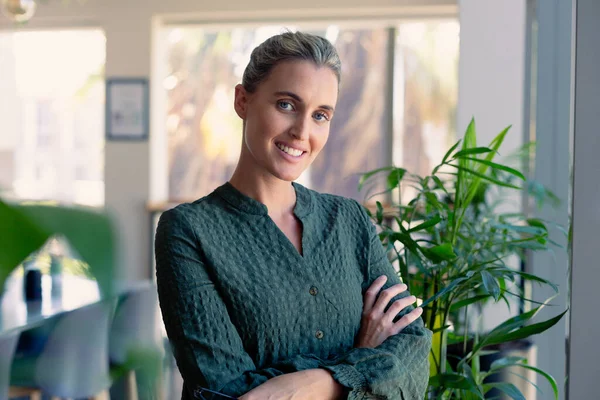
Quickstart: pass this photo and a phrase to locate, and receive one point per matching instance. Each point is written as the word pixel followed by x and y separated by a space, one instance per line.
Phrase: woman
pixel 272 291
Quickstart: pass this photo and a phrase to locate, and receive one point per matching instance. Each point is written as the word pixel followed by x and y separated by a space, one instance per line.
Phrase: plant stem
pixel 466 331
pixel 443 347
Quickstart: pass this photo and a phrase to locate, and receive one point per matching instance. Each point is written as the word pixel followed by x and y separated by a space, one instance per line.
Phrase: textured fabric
pixel 242 305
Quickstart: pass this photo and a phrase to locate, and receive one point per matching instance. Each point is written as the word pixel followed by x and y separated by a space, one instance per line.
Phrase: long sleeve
pixel 398 369
pixel 206 345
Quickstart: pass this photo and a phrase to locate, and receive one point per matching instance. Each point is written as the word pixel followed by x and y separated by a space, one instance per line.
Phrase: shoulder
pixel 188 216
pixel 334 206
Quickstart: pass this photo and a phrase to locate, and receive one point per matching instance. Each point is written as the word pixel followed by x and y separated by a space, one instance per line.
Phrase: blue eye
pixel 285 105
pixel 321 117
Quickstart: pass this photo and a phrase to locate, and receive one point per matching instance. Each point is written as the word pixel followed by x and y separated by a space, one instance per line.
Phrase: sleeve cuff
pixel 349 377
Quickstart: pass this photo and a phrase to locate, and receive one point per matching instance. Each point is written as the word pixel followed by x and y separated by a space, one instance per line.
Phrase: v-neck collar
pixel 242 202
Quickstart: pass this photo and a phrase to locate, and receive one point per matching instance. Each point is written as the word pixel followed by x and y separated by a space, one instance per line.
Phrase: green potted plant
pixel 452 245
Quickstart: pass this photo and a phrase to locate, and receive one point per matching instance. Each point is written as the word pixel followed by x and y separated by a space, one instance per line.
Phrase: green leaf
pixel 469 375
pixel 483 176
pixel 395 177
pixel 501 167
pixel 546 375
pixel 508 388
pixel 366 176
pixel 447 155
pixel 525 331
pixel 535 278
pixel 439 183
pixel 532 230
pixel 401 225
pixel 515 322
pixel 505 362
pixel 444 291
pixel 442 252
pixel 427 224
pixel 379 214
pixel 527 380
pixel 491 284
pixel 520 296
pixel 466 302
pixel 470 139
pixel 521 362
pixel 467 189
pixel 405 239
pixel 497 142
pixel 404 275
pixel 471 151
pixel 87 230
pixel 452 380
pixel 537 223
pixel 19 237
pixel 433 200
pixel 506 327
pixel 443 328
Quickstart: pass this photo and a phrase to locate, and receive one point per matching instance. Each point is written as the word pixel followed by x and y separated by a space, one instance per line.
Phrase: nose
pixel 300 128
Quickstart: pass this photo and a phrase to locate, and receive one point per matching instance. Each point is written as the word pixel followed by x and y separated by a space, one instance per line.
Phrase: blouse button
pixel 319 334
pixel 313 290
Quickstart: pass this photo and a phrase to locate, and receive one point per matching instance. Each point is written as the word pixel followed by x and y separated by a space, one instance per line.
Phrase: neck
pixel 278 195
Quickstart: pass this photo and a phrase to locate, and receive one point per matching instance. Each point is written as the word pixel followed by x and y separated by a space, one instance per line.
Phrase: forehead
pixel 305 79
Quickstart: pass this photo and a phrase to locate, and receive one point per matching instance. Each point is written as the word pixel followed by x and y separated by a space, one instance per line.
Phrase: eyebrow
pixel 299 99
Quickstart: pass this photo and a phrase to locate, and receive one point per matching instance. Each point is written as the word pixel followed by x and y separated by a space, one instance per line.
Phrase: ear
pixel 241 100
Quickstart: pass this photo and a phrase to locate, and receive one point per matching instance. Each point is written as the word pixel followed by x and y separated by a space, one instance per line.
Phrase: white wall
pixel 8 137
pixel 491 87
pixel 494 87
pixel 128 26
pixel 552 128
pixel 492 68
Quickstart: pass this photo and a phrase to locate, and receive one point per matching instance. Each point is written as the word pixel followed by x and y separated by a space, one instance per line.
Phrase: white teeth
pixel 290 151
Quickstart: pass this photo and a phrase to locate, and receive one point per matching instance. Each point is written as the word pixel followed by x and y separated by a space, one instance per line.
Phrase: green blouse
pixel 241 305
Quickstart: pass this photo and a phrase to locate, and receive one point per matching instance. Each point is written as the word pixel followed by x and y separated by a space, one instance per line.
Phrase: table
pixel 17 314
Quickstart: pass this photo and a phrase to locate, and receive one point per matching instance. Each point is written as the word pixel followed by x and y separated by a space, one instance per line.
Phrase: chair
pixel 74 362
pixel 8 344
pixel 7 350
pixel 135 342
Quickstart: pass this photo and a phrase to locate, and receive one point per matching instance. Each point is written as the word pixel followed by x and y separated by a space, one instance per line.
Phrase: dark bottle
pixel 33 284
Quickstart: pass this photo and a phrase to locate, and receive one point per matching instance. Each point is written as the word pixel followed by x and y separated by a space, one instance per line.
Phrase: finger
pixel 407 319
pixel 372 292
pixel 397 306
pixel 387 295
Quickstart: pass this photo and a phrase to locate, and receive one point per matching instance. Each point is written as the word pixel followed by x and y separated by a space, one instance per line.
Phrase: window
pixel 46 126
pixel 405 115
pixel 52 116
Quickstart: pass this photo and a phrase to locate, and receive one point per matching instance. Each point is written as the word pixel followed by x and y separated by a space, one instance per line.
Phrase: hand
pixel 303 385
pixel 376 325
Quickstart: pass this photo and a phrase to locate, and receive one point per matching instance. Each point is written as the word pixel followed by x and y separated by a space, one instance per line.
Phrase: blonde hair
pixel 289 46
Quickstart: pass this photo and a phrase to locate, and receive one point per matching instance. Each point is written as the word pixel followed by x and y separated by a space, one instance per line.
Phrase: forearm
pixel 325 386
pixel 309 384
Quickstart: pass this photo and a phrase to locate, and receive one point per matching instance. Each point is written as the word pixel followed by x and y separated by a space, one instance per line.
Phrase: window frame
pixel 387 18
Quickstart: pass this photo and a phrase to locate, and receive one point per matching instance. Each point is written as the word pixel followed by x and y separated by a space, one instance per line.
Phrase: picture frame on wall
pixel 127 109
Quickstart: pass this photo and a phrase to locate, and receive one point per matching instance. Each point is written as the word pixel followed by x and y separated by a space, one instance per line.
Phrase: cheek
pixel 319 139
pixel 267 123
pixel 255 130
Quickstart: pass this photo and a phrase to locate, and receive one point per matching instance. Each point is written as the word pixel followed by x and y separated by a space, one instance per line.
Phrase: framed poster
pixel 127 109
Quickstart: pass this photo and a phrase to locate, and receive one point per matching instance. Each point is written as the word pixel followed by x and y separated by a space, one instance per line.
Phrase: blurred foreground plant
pixel 25 228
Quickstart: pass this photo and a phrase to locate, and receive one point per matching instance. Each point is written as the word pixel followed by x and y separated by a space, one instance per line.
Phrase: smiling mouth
pixel 289 150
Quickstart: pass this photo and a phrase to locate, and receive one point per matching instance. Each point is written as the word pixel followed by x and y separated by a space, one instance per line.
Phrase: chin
pixel 288 176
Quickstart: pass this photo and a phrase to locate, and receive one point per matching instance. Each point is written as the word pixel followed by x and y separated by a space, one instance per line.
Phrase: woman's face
pixel 287 118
